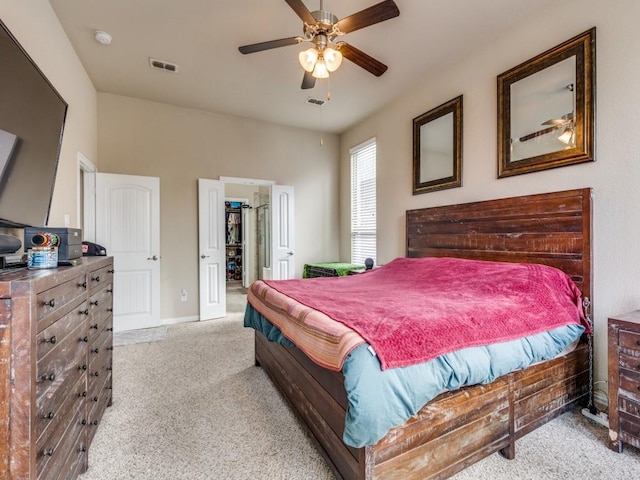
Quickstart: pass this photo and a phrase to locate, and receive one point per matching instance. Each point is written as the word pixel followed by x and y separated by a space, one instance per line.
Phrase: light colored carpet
pixel 194 407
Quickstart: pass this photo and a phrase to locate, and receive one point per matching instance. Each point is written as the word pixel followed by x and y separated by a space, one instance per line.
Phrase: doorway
pixel 275 257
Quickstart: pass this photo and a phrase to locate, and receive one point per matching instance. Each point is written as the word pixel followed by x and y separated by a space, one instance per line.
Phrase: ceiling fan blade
pixel 369 16
pixel 308 81
pixel 302 11
pixel 259 47
pixel 362 59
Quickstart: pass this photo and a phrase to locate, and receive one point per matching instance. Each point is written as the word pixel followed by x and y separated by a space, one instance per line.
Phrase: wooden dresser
pixel 624 380
pixel 56 341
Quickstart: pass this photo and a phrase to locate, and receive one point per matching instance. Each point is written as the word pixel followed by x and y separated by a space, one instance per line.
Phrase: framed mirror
pixel 546 109
pixel 437 148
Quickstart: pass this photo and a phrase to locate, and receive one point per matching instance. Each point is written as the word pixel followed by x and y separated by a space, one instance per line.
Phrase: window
pixel 363 201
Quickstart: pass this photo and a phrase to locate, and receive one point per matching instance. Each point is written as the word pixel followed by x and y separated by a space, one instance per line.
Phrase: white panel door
pixel 282 233
pixel 211 244
pixel 128 226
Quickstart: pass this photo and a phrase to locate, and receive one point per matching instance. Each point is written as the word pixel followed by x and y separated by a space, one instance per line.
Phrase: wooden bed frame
pixel 458 428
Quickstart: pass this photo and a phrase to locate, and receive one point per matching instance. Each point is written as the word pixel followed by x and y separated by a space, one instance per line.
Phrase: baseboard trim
pixel 173 321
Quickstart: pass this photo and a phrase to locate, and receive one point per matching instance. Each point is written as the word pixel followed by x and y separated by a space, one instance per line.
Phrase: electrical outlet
pixel 183 295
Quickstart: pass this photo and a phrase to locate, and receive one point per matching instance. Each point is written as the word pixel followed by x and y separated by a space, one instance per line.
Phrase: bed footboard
pixel 450 433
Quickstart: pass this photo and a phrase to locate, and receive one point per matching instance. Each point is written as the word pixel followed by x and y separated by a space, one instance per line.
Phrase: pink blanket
pixel 415 309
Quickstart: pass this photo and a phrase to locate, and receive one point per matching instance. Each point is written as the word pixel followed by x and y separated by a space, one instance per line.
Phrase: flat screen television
pixel 32 116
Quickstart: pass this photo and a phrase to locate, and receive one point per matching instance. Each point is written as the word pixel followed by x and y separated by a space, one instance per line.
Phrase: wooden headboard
pixel 550 228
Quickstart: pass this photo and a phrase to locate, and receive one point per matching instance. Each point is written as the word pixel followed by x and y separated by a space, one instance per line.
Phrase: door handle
pixel 154 258
pixel 289 253
pixel 204 256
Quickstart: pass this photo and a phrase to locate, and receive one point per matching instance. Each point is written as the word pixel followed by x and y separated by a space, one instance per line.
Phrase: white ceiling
pixel 203 36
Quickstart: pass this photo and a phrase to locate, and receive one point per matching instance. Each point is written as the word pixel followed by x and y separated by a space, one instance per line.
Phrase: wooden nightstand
pixel 624 380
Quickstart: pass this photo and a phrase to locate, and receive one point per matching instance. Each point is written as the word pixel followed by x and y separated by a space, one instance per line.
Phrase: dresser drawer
pixel 630 407
pixel 51 455
pixel 100 278
pixel 629 385
pixel 101 308
pixel 96 410
pixel 630 429
pixel 52 336
pixel 630 340
pixel 61 366
pixel 629 362
pixel 57 297
pixel 53 417
pixel 99 364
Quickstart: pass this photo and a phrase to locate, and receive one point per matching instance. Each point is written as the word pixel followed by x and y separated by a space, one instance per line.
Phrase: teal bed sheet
pixel 381 400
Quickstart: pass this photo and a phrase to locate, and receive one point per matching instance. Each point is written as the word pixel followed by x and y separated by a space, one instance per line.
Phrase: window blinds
pixel 363 202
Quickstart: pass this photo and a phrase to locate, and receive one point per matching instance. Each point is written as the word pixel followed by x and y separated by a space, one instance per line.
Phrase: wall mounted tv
pixel 32 115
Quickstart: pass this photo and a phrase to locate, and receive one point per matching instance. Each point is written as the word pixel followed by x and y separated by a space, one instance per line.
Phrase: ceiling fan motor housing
pixel 325 21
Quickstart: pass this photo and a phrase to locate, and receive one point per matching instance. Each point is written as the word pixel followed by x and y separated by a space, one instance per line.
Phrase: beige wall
pixel 36 27
pixel 180 145
pixel 614 177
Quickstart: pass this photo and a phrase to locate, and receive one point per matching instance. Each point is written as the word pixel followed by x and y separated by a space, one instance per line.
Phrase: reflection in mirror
pixel 437 148
pixel 543 111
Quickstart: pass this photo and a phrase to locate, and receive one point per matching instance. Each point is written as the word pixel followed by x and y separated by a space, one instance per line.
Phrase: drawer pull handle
pixel 95 374
pixel 96 278
pixel 94 303
pixel 111 271
pixel 110 329
pixel 82 367
pixel 48 452
pixel 83 394
pixel 109 309
pixel 108 369
pixel 84 312
pixel 83 284
pixel 82 449
pixel 109 290
pixel 94 399
pixel 95 350
pixel 51 377
pixel 51 340
pixel 51 303
pixel 84 339
pixel 95 422
pixel 49 416
pixel 109 348
pixel 94 326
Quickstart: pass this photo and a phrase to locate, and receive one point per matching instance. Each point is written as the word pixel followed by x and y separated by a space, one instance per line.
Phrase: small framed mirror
pixel 546 109
pixel 437 148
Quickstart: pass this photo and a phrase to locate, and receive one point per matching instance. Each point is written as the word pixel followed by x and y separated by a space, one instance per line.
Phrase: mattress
pixel 379 400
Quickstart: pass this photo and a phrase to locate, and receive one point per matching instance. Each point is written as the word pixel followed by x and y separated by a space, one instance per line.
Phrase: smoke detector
pixel 162 65
pixel 103 37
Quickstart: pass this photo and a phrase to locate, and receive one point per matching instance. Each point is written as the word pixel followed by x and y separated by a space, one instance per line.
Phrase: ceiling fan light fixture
pixel 320 70
pixel 308 59
pixel 332 58
pixel 568 137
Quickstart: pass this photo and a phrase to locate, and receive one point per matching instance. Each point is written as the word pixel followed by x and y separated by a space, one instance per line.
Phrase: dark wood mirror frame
pixel 580 123
pixel 453 107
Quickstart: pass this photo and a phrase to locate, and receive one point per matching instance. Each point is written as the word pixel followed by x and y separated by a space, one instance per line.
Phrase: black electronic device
pixel 68 241
pixel 9 244
pixel 32 116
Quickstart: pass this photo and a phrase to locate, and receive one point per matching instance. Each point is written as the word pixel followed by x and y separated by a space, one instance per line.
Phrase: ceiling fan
pixel 565 122
pixel 322 29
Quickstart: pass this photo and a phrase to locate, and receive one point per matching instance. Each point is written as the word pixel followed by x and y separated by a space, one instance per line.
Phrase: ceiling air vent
pixel 162 65
pixel 315 101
